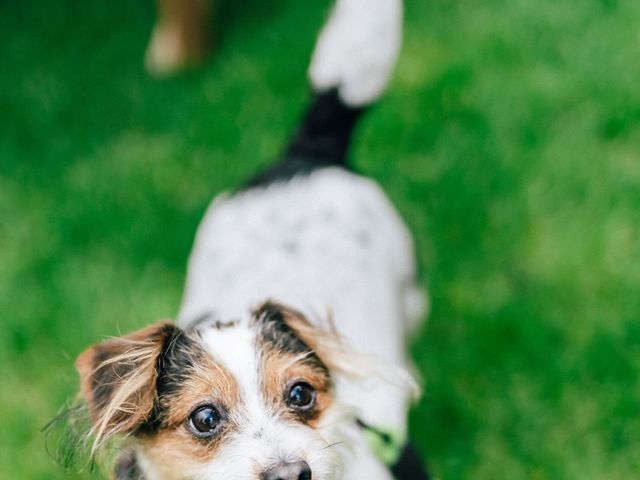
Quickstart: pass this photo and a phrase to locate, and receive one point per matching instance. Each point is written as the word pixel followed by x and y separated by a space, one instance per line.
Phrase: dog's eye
pixel 302 396
pixel 204 420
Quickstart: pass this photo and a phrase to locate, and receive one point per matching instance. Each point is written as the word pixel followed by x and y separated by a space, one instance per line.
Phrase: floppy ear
pixel 118 378
pixel 327 343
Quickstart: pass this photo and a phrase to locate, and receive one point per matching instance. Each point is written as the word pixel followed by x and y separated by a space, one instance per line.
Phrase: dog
pixel 287 360
pixel 181 36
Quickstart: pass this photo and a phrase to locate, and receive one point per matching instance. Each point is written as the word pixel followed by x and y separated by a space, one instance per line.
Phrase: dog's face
pixel 244 400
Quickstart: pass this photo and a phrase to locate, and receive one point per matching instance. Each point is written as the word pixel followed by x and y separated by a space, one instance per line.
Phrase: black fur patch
pixel 322 140
pixel 410 465
pixel 276 333
pixel 180 354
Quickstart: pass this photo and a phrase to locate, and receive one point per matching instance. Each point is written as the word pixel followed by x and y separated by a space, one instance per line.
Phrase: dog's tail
pixel 350 68
pixel 357 49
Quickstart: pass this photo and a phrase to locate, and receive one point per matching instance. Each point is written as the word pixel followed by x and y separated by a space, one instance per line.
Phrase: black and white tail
pixel 350 68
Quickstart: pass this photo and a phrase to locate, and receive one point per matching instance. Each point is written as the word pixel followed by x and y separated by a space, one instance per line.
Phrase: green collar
pixel 385 444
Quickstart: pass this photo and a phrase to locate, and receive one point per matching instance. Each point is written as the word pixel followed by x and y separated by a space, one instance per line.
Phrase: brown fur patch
pixel 287 358
pixel 204 383
pixel 175 453
pixel 170 446
pixel 281 371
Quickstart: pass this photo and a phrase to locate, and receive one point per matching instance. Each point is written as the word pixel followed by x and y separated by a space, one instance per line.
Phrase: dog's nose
pixel 287 471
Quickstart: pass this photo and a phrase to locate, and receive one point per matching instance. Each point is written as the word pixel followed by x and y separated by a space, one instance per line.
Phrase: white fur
pixel 326 244
pixel 357 49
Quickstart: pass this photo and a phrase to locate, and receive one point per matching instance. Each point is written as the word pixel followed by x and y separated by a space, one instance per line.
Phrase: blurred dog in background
pixel 181 36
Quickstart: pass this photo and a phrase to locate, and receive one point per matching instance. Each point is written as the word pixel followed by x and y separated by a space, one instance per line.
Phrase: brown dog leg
pixel 180 37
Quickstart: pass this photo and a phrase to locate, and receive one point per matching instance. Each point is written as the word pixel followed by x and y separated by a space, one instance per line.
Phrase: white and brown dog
pixel 288 357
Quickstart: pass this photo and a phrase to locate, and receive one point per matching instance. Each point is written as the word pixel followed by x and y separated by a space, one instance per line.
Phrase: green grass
pixel 509 140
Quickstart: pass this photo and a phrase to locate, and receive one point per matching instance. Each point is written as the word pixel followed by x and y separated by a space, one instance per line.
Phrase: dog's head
pixel 248 400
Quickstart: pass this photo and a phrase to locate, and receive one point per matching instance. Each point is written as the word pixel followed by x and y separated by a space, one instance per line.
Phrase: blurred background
pixel 509 140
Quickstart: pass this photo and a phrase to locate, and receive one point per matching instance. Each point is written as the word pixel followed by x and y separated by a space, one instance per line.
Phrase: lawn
pixel 509 140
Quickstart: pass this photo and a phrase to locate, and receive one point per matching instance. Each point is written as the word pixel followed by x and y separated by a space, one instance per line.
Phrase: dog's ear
pixel 332 350
pixel 118 378
pixel 325 342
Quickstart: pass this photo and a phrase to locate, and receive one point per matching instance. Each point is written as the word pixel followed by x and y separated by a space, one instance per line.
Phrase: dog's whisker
pixel 331 445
